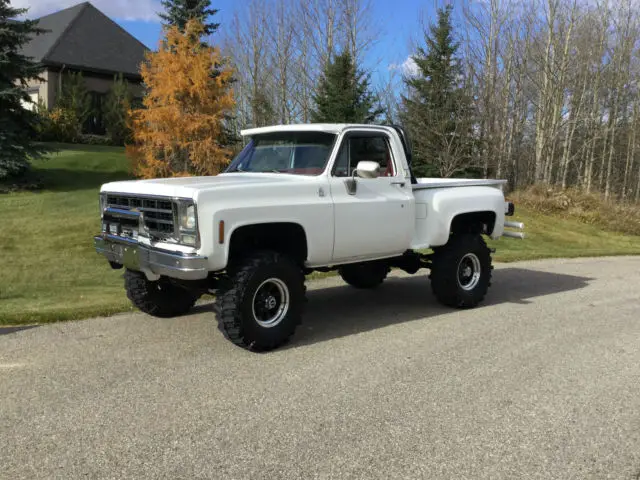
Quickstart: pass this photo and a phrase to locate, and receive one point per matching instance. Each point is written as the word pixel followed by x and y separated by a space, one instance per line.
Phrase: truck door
pixel 378 219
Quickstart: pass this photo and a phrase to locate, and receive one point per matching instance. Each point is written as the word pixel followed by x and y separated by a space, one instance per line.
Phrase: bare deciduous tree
pixel 554 82
pixel 280 48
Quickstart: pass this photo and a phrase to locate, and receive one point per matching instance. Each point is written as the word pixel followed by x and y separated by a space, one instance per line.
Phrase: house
pixel 83 39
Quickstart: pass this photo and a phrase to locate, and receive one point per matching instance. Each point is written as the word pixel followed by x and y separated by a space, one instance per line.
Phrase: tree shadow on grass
pixel 340 311
pixel 57 147
pixel 66 180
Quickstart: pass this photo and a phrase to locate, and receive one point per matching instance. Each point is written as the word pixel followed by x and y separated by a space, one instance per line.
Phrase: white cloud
pixel 408 68
pixel 116 9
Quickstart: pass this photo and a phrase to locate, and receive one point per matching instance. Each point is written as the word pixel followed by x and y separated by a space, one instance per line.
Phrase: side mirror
pixel 368 169
pixel 364 169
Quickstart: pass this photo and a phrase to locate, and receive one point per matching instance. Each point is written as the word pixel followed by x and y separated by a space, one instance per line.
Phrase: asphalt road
pixel 543 381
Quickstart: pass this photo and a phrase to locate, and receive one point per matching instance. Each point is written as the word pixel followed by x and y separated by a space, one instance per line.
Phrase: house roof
pixel 84 38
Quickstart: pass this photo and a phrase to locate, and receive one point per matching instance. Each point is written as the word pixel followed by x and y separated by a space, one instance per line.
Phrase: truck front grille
pixel 158 212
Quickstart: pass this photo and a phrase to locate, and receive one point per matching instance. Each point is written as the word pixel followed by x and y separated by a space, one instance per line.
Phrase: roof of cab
pixel 306 127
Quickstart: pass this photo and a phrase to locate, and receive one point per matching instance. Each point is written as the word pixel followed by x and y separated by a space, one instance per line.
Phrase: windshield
pixel 300 153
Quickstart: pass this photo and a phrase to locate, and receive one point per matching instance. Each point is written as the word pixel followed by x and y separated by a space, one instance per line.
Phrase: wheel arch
pixel 481 221
pixel 285 237
pixel 452 209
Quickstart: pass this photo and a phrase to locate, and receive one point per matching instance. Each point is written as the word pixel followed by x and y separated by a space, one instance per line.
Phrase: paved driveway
pixel 543 381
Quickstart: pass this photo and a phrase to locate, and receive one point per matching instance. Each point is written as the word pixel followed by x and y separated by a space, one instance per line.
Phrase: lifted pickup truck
pixel 299 198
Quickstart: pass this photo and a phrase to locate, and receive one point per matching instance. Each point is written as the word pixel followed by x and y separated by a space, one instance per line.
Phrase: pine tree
pixel 74 97
pixel 179 12
pixel 344 94
pixel 18 125
pixel 437 110
pixel 116 109
pixel 182 128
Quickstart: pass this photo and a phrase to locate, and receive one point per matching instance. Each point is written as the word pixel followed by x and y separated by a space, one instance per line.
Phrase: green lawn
pixel 49 270
pixel 558 237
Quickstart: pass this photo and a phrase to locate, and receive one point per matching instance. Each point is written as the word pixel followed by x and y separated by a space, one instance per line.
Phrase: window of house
pixel 356 149
pixel 95 122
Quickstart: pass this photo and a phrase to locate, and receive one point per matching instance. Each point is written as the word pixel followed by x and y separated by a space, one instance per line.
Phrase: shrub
pixel 91 139
pixel 58 125
pixel 590 208
pixel 75 97
pixel 116 109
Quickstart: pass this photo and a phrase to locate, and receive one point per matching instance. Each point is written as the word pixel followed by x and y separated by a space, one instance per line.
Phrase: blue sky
pixel 397 19
pixel 398 23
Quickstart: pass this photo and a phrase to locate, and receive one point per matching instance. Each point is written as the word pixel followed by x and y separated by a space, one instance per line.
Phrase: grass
pixel 549 236
pixel 49 268
pixel 50 271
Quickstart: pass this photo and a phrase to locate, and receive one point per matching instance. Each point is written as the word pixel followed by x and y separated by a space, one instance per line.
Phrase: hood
pixel 188 187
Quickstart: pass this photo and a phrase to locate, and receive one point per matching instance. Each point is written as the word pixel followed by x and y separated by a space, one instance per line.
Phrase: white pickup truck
pixel 298 198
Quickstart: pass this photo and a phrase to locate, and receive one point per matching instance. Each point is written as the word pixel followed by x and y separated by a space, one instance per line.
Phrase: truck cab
pixel 298 198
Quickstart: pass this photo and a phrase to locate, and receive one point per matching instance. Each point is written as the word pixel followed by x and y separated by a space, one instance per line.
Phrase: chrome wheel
pixel 469 270
pixel 270 302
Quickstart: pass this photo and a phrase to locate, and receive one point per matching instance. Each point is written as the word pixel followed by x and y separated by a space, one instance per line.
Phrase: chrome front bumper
pixel 134 256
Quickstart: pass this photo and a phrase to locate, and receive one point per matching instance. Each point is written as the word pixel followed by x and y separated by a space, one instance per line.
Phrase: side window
pixel 342 166
pixel 356 149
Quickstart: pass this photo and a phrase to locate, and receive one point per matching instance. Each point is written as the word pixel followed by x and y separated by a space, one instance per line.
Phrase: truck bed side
pixel 438 206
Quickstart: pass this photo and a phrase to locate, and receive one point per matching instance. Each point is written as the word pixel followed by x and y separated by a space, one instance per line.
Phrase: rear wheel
pixel 158 298
pixel 364 275
pixel 461 271
pixel 264 305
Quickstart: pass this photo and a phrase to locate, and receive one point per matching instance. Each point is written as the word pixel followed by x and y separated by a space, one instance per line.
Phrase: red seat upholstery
pixel 389 171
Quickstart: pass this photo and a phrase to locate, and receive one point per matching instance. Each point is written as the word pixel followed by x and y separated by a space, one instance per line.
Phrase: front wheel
pixel 158 298
pixel 461 271
pixel 264 303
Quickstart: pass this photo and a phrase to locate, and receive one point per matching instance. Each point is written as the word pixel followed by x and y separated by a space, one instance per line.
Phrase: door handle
pixel 402 184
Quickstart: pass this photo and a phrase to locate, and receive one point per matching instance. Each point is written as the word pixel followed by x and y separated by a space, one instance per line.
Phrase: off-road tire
pixel 364 275
pixel 445 271
pixel 158 298
pixel 236 306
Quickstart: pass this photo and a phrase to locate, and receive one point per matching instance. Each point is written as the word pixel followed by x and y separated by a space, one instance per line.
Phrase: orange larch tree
pixel 180 131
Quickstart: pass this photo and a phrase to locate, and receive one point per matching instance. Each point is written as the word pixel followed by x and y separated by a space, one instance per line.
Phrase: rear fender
pixel 444 205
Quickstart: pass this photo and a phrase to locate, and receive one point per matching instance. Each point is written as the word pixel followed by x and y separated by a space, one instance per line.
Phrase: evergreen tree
pixel 74 97
pixel 116 110
pixel 18 125
pixel 344 94
pixel 437 109
pixel 179 12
